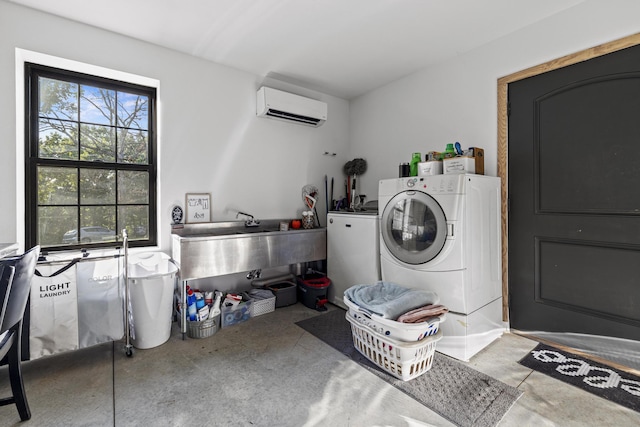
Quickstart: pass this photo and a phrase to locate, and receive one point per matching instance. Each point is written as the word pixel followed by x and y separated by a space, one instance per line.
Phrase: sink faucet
pixel 254 274
pixel 251 222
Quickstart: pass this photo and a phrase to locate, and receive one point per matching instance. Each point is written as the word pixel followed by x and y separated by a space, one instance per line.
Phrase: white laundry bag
pixel 100 306
pixel 53 310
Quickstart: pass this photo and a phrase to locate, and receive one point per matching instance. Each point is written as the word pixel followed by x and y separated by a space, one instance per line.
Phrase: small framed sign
pixel 198 208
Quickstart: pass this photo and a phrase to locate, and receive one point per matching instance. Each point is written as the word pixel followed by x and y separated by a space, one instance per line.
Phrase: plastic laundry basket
pixel 151 284
pixel 395 330
pixel 403 360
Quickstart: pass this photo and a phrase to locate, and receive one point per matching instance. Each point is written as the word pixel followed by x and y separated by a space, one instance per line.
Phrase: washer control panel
pixel 451 184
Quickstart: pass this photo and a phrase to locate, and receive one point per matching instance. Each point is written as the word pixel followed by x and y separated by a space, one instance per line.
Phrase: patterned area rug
pixel 458 393
pixel 604 381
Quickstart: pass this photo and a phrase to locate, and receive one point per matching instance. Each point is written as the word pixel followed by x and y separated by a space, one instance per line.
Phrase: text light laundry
pixel 55 290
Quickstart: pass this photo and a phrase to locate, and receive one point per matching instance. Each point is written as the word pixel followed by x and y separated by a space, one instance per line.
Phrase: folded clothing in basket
pixel 389 300
pixel 423 314
pixel 261 293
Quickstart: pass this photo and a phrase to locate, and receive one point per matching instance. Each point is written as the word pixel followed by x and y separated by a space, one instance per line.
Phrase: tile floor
pixel 269 372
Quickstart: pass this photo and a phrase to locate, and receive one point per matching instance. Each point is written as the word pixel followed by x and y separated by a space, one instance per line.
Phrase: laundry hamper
pixel 403 360
pixel 390 328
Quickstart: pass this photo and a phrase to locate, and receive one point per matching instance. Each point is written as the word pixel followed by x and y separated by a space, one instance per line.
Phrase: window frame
pixel 32 72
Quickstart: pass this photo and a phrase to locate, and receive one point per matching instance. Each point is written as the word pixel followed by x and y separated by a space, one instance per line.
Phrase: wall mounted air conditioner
pixel 280 105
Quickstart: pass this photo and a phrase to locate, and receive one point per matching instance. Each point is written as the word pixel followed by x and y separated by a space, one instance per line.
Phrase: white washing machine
pixel 353 255
pixel 442 233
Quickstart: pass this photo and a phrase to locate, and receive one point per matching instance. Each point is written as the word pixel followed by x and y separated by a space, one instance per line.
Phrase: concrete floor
pixel 270 372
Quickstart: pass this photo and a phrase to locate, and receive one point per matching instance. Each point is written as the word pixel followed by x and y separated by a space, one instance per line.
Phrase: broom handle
pixel 331 193
pixel 348 193
pixel 353 193
pixel 326 194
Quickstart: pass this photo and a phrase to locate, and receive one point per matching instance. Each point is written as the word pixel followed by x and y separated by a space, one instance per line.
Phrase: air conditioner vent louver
pixel 290 116
pixel 289 107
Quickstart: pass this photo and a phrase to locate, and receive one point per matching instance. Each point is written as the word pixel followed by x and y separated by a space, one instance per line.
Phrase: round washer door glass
pixel 413 227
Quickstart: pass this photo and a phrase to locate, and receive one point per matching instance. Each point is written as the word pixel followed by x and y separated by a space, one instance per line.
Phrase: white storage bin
pixel 151 283
pixel 459 165
pixel 264 301
pixel 433 167
pixel 233 315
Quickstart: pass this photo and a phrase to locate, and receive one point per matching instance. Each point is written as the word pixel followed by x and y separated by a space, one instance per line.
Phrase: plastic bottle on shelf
pixel 216 302
pixel 449 151
pixel 199 300
pixel 191 305
pixel 215 308
pixel 208 298
pixel 413 166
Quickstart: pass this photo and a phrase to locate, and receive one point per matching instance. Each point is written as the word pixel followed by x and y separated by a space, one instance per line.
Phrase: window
pixel 90 160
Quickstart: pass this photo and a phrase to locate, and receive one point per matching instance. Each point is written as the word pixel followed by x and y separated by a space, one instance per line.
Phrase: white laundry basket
pixel 403 360
pixel 395 330
pixel 151 285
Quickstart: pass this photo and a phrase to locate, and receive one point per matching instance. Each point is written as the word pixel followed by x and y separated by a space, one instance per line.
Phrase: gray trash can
pixel 152 277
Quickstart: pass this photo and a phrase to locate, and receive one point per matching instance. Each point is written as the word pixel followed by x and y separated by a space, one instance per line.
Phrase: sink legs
pixel 183 310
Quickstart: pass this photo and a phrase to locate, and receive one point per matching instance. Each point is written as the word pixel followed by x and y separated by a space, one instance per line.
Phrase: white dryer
pixel 442 233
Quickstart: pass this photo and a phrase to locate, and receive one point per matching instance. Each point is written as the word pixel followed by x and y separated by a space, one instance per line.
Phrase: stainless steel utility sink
pixel 219 248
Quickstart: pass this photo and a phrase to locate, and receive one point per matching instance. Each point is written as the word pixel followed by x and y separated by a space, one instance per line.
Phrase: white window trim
pixel 23 56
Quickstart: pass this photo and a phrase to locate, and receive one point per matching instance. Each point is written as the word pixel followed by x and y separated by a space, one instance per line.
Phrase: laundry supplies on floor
pixel 312 290
pixel 236 308
pixel 264 301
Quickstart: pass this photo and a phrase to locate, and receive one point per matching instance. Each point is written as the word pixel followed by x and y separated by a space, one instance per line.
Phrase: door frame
pixel 503 142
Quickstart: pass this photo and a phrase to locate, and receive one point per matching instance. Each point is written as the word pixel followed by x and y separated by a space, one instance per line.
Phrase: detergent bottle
pixel 191 305
pixel 413 166
pixel 449 151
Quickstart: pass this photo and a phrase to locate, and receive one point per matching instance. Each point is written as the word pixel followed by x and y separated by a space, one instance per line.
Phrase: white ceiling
pixel 340 47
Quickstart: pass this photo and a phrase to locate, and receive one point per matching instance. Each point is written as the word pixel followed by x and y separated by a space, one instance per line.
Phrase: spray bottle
pixel 215 308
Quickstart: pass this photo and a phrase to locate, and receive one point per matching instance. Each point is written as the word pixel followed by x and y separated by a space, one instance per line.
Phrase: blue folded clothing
pixel 389 300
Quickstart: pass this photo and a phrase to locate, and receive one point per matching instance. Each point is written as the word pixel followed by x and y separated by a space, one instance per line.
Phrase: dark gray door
pixel 574 198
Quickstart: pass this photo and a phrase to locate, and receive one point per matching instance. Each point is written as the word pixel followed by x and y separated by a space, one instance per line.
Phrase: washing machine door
pixel 413 227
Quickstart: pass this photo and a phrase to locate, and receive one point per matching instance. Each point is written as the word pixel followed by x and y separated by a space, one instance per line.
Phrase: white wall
pixel 457 100
pixel 210 139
